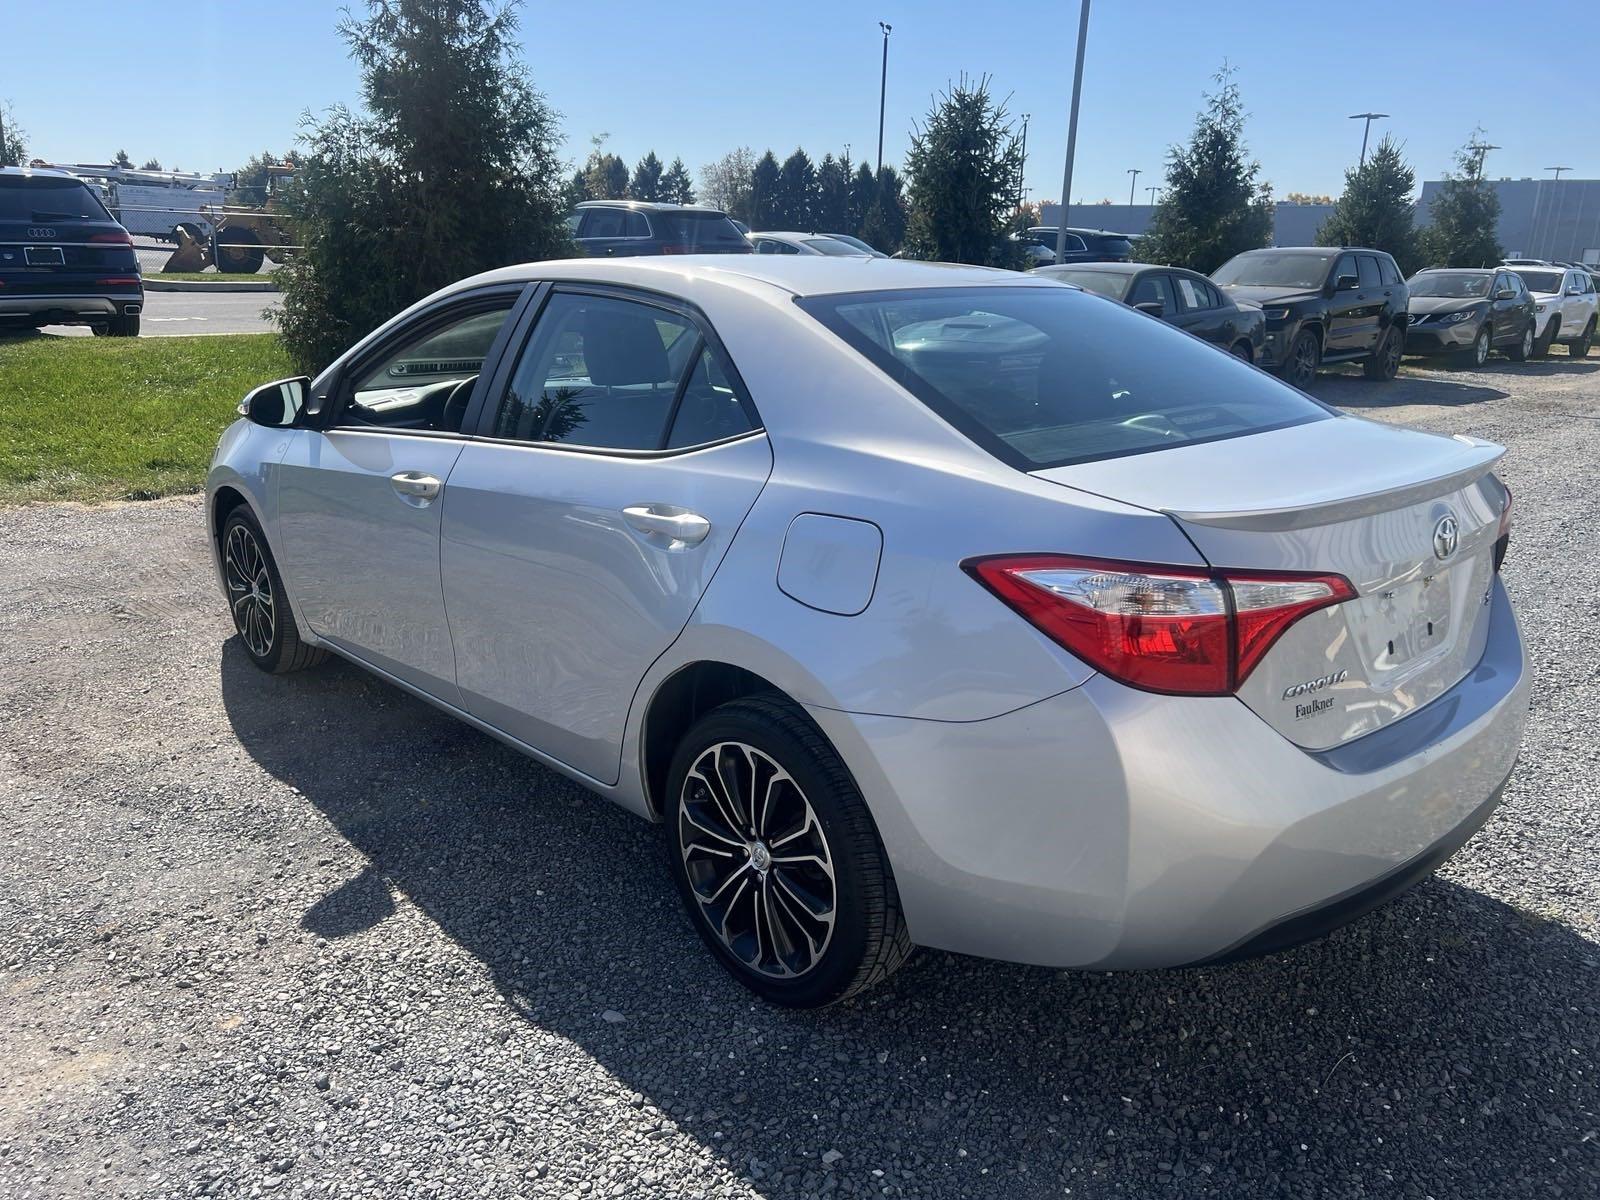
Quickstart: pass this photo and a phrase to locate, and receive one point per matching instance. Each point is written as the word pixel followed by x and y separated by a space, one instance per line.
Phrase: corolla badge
pixel 1445 533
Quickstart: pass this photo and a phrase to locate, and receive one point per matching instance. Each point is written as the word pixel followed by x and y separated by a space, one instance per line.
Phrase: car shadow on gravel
pixel 1352 391
pixel 1444 1044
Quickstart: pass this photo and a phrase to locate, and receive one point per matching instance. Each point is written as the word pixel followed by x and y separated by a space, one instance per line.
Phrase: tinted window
pixel 1107 283
pixel 602 222
pixel 1196 296
pixel 1117 247
pixel 635 225
pixel 1346 266
pixel 598 372
pixel 1043 376
pixel 1072 245
pixel 425 382
pixel 1389 272
pixel 711 408
pixel 1367 268
pixel 826 245
pixel 1275 268
pixel 42 198
pixel 1157 288
pixel 773 246
pixel 700 230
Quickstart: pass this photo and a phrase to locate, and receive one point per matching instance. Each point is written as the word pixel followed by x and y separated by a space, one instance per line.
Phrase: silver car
pixel 921 604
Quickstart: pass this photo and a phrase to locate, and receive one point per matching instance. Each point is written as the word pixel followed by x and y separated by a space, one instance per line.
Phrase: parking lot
pixel 306 935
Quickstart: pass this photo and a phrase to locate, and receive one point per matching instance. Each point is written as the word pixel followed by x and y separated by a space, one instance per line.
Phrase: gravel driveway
pixel 305 935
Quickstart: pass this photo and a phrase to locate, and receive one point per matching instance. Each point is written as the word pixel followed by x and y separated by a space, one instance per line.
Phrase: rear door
pixel 1202 311
pixel 611 471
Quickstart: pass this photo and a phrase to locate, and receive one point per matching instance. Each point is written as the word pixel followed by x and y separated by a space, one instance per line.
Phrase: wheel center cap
pixel 760 857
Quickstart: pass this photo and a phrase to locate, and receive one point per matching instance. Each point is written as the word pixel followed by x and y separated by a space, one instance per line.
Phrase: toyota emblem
pixel 1445 533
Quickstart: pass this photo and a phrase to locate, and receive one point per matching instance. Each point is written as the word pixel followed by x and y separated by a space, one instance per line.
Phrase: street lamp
pixel 1022 169
pixel 1152 190
pixel 1483 149
pixel 1072 132
pixel 883 91
pixel 1558 171
pixel 1135 172
pixel 1369 118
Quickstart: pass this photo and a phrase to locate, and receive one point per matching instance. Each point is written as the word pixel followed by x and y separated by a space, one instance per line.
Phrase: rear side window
pixel 1388 271
pixel 1117 247
pixel 602 222
pixel 1043 377
pixel 700 230
pixel 47 199
pixel 1196 295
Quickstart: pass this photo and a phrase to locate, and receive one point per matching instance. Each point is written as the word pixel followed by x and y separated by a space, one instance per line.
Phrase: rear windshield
pixel 1264 268
pixel 1540 281
pixel 828 245
pixel 1121 247
pixel 25 199
pixel 698 230
pixel 1046 376
pixel 1107 283
pixel 1460 285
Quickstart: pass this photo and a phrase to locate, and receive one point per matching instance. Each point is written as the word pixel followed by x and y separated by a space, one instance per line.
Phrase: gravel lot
pixel 305 935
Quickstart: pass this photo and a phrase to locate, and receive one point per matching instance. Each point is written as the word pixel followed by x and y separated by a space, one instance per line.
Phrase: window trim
pixel 337 395
pixel 483 418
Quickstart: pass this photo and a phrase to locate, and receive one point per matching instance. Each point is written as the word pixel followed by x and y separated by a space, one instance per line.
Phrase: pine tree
pixel 1464 215
pixel 1375 209
pixel 764 188
pixel 963 165
pixel 646 183
pixel 797 182
pixel 831 212
pixel 884 227
pixel 676 186
pixel 1213 206
pixel 122 160
pixel 863 190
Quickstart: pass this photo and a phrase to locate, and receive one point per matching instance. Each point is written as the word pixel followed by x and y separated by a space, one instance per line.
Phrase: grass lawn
pixel 121 418
pixel 210 277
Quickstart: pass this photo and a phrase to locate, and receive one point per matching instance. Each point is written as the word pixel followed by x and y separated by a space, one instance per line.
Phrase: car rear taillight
pixel 1179 630
pixel 1502 540
pixel 117 281
pixel 119 238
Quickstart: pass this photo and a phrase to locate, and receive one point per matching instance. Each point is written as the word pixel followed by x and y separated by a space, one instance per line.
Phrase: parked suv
pixel 64 260
pixel 1467 312
pixel 1323 306
pixel 618 228
pixel 1083 245
pixel 1564 304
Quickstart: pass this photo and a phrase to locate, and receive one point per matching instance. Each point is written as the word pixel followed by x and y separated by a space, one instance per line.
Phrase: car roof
pixel 786 233
pixel 1077 229
pixel 1108 268
pixel 38 173
pixel 1462 270
pixel 796 274
pixel 649 204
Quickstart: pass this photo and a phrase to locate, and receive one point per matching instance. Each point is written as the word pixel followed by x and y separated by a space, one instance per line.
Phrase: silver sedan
pixel 921 605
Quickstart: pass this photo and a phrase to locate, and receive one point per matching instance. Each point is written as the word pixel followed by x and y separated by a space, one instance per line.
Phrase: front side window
pixel 606 373
pixel 1157 288
pixel 1346 271
pixel 1367 267
pixel 425 382
pixel 1044 376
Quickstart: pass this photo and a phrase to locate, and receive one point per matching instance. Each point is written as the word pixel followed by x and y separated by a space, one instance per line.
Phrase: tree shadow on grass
pixel 1443 1045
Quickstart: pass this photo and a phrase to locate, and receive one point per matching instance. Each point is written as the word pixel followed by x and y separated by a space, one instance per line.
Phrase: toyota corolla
pixel 921 605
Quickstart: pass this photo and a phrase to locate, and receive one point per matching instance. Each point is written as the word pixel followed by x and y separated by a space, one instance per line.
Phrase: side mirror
pixel 1153 307
pixel 1506 294
pixel 1574 290
pixel 1346 283
pixel 278 404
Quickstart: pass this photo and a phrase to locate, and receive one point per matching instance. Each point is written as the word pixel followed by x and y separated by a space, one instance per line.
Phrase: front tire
pixel 1479 354
pixel 1542 347
pixel 777 858
pixel 1242 350
pixel 1384 361
pixel 257 600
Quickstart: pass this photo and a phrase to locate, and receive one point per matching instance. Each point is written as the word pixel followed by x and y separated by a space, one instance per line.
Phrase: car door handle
pixel 666 522
pixel 414 487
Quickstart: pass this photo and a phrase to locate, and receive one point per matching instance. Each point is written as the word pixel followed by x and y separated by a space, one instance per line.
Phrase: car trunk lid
pixel 1409 518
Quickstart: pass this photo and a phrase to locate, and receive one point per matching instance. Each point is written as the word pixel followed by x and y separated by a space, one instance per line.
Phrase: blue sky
pixel 698 77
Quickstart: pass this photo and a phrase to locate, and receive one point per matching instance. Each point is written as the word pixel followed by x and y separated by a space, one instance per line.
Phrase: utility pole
pixel 1072 132
pixel 1483 149
pixel 1369 118
pixel 1135 172
pixel 883 91
pixel 1558 171
pixel 1022 171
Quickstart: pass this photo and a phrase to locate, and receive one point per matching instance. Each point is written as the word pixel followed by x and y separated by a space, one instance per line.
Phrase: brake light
pixel 117 281
pixel 1502 540
pixel 119 238
pixel 1179 630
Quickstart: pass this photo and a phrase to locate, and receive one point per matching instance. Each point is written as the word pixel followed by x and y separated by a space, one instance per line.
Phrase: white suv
pixel 1564 307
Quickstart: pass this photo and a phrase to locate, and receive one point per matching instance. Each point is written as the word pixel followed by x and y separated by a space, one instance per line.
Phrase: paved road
pixel 304 935
pixel 167 314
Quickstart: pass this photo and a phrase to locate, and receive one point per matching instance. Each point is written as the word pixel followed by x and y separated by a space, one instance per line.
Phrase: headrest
pixel 623 346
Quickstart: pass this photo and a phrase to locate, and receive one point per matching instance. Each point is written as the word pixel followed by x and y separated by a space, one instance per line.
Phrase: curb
pixel 187 285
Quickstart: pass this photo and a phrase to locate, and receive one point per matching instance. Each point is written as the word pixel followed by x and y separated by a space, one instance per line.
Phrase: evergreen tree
pixel 452 169
pixel 863 190
pixel 1213 206
pixel 1464 216
pixel 884 227
pixel 13 141
pixel 151 164
pixel 797 182
pixel 831 212
pixel 963 165
pixel 122 160
pixel 764 186
pixel 646 184
pixel 1375 209
pixel 676 186
pixel 576 190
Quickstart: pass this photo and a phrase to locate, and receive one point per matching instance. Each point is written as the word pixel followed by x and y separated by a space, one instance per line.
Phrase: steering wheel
pixel 455 405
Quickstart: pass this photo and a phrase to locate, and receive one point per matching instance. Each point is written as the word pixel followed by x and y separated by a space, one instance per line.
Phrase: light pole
pixel 1558 171
pixel 1152 191
pixel 1022 169
pixel 1072 133
pixel 1369 118
pixel 1135 172
pixel 883 90
pixel 1483 149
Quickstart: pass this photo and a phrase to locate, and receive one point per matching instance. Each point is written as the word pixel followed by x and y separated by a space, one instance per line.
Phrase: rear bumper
pixel 69 308
pixel 1107 827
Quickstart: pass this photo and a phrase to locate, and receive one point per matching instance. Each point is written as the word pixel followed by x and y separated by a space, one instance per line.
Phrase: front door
pixel 1345 308
pixel 359 500
pixel 583 524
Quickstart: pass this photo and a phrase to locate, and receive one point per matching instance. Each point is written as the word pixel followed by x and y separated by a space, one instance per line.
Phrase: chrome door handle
pixel 414 487
pixel 666 523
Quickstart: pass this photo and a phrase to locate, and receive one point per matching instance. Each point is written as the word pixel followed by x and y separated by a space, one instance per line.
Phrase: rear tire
pixel 1383 363
pixel 777 858
pixel 1580 347
pixel 124 326
pixel 1523 350
pixel 1305 355
pixel 1242 350
pixel 257 600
